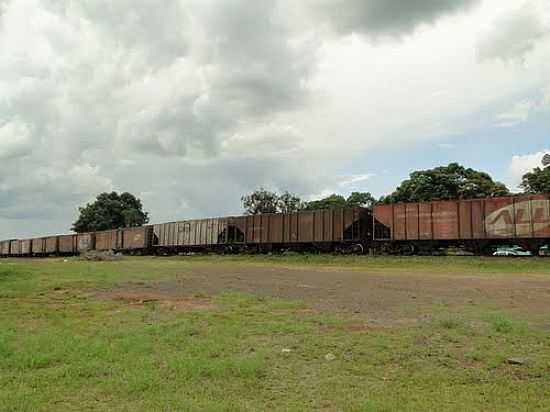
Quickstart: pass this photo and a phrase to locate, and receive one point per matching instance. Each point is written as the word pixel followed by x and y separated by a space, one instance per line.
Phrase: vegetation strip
pixel 63 347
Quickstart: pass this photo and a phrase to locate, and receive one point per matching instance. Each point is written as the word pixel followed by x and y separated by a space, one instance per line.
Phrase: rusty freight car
pixel 85 242
pixel 477 223
pixel 5 248
pixel 26 247
pixel 51 245
pixel 108 240
pixel 323 229
pixel 15 248
pixel 38 246
pixel 136 238
pixel 67 244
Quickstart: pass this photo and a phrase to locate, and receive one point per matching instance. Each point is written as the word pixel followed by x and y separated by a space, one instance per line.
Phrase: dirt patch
pixel 138 296
pixel 403 297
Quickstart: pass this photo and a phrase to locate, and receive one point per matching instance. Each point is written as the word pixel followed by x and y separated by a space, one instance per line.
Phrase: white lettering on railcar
pixel 528 215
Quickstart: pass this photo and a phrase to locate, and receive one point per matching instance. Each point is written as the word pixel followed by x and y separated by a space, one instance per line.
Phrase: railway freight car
pixel 137 238
pixel 51 245
pixel 5 248
pixel 126 239
pixel 108 240
pixel 15 248
pixel 26 247
pixel 38 247
pixel 67 245
pixel 85 242
pixel 129 239
pixel 477 224
pixel 335 229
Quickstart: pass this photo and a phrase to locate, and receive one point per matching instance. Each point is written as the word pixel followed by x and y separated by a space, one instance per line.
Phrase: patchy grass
pixel 65 348
pixel 421 264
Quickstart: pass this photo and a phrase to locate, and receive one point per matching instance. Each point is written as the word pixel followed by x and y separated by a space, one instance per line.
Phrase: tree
pixel 330 202
pixel 360 199
pixel 356 199
pixel 111 211
pixel 260 201
pixel 446 182
pixel 263 201
pixel 289 203
pixel 536 181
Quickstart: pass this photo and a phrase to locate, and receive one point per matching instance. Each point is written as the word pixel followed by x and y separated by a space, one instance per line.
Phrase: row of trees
pixel 441 183
pixel 111 210
pixel 264 201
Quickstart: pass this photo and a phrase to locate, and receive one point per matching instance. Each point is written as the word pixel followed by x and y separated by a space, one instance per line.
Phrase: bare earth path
pixel 378 296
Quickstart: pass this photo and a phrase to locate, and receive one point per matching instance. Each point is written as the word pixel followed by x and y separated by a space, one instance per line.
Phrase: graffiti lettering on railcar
pixel 526 216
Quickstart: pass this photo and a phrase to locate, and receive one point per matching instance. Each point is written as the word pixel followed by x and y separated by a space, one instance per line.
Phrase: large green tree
pixel 330 202
pixel 355 199
pixel 446 182
pixel 537 181
pixel 260 201
pixel 288 203
pixel 263 201
pixel 360 199
pixel 111 211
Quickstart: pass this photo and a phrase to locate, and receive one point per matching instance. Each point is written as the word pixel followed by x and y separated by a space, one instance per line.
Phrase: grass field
pixel 67 344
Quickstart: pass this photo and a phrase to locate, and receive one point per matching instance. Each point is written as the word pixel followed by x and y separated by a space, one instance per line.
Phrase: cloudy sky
pixel 192 103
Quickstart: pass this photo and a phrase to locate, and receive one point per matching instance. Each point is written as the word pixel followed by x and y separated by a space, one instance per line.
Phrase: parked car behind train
pixel 512 251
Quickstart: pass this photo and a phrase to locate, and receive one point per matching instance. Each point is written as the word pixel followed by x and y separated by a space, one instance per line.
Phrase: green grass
pixel 423 264
pixel 63 348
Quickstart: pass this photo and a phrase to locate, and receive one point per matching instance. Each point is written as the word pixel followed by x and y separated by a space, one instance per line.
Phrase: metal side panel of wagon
pixel 137 238
pixel 15 248
pixel 51 245
pixel 85 242
pixel 26 247
pixel 5 248
pixel 67 244
pixel 38 247
pixel 108 240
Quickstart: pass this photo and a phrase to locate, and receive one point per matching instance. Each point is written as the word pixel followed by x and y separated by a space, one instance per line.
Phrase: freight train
pixel 477 225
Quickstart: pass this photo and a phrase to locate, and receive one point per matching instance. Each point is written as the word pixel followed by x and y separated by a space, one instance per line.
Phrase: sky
pixel 189 104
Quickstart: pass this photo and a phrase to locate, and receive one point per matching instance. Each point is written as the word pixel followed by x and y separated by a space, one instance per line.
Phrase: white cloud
pixel 519 113
pixel 522 164
pixel 270 140
pixel 354 181
pixel 516 32
pixel 195 102
pixel 446 146
pixel 15 140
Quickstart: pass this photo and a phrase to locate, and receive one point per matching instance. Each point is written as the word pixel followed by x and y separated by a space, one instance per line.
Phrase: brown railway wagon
pixel 15 247
pixel 186 233
pixel 519 217
pixel 108 240
pixel 51 245
pixel 67 244
pixel 336 225
pixel 4 248
pixel 26 247
pixel 136 237
pixel 85 242
pixel 38 246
